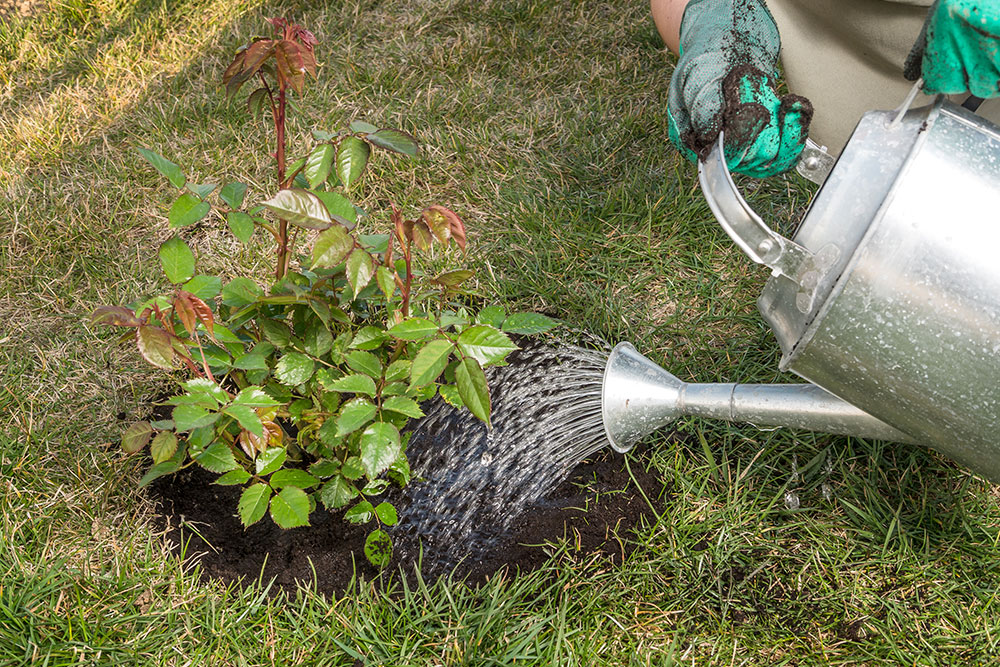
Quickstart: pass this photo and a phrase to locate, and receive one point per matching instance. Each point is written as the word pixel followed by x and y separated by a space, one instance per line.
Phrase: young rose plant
pixel 300 393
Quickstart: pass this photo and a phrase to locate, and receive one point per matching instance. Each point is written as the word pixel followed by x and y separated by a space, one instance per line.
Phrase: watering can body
pixel 888 296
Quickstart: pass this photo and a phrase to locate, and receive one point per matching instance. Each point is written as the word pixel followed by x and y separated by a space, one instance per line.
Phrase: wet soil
pixel 596 510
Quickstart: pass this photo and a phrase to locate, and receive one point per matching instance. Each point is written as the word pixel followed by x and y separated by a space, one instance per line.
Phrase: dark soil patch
pixel 596 509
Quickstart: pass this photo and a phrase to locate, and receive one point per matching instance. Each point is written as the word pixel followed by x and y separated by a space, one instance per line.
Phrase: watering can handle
pixel 760 243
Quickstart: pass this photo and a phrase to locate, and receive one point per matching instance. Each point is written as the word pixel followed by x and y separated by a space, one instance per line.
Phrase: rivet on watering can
pixel 811 163
pixel 765 246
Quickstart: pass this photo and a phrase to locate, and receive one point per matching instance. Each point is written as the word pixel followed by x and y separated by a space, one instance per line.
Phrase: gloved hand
pixel 958 49
pixel 725 80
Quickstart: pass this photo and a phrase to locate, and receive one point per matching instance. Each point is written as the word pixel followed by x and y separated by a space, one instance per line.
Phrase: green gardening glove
pixel 958 50
pixel 725 81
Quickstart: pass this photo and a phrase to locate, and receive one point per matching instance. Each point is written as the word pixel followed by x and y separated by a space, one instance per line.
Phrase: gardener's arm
pixel 667 16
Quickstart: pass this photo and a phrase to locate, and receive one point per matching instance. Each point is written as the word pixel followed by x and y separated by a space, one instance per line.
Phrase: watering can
pixel 886 301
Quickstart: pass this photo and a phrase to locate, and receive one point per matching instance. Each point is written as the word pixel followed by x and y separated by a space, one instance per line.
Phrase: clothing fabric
pixel 847 57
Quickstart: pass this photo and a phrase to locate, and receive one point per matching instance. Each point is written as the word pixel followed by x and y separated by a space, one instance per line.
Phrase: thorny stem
pixel 279 130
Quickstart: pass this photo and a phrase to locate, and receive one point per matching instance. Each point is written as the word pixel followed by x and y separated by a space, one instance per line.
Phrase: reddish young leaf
pixel 185 313
pixel 456 228
pixel 438 224
pixel 200 309
pixel 288 56
pixel 422 235
pixel 155 346
pixel 118 316
pixel 309 58
pixel 234 67
pixel 252 60
pixel 278 23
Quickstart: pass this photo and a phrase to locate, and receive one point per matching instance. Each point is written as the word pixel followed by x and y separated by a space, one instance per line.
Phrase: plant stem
pixel 279 129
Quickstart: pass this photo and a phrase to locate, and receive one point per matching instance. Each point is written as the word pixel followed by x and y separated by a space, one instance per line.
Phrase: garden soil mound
pixel 596 511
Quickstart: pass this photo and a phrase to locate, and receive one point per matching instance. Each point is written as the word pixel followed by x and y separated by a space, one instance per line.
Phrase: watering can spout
pixel 639 397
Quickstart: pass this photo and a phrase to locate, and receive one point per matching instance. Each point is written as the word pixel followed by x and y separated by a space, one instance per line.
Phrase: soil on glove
pixel 596 510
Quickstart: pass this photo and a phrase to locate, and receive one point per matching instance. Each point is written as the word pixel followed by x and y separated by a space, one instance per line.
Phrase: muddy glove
pixel 725 80
pixel 958 49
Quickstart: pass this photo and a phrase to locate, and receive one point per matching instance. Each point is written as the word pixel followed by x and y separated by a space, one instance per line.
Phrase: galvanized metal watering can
pixel 887 300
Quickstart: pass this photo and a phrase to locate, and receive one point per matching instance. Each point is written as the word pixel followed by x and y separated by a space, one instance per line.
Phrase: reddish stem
pixel 279 130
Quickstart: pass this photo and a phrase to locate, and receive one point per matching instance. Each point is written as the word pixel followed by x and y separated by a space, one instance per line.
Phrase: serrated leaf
pixel 159 470
pixel 233 194
pixel 386 282
pixel 395 140
pixel 454 278
pixel 240 292
pixel 234 478
pixel 177 260
pixel 331 248
pixel 155 346
pixel 163 447
pixel 292 477
pixel 364 362
pixel 200 190
pixel 247 418
pixel 164 166
pixel 403 405
pixel 368 338
pixel 190 417
pixel 288 59
pixel 360 513
pixel 253 503
pixel 290 508
pixel 473 389
pixel 241 225
pixel 276 333
pixel 318 339
pixel 187 210
pixel 386 513
pixel 352 468
pixel 378 548
pixel 359 269
pixel 352 157
pixel 324 468
pixel 340 207
pixel 429 363
pixel 485 344
pixel 380 446
pixel 294 369
pixel 362 127
pixel 217 457
pixel 415 328
pixel 375 487
pixel 397 370
pixel 354 414
pixel 136 436
pixel 203 287
pixel 337 492
pixel 528 324
pixel 355 384
pixel 300 207
pixel 451 396
pixel 270 460
pixel 492 316
pixel 255 397
pixel 318 165
pixel 252 361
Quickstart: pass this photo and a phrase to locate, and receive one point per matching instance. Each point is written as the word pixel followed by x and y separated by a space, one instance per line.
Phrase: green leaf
pixel 276 333
pixel 356 384
pixel 492 316
pixel 359 269
pixel 255 102
pixel 331 248
pixel 352 157
pixel 253 503
pixel 386 513
pixel 293 477
pixel 217 458
pixel 318 339
pixel 375 487
pixel 177 260
pixel 337 492
pixel 354 414
pixel 233 193
pixel 255 397
pixel 294 369
pixel 136 436
pixel 201 191
pixel 164 166
pixel 300 207
pixel 163 446
pixel 397 370
pixel 485 344
pixel 251 361
pixel 380 446
pixel 395 140
pixel 203 287
pixel 240 292
pixel 362 127
pixel 473 389
pixel 208 388
pixel 404 406
pixel 324 468
pixel 270 460
pixel 241 225
pixel 430 362
pixel 451 396
pixel 155 346
pixel 187 210
pixel 234 478
pixel 318 165
pixel 352 468
pixel 368 338
pixel 528 324
pixel 189 417
pixel 378 548
pixel 454 278
pixel 247 418
pixel 340 208
pixel 386 282
pixel 360 513
pixel 415 328
pixel 159 470
pixel 364 362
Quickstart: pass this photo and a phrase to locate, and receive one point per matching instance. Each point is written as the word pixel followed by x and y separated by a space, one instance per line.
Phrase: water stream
pixel 471 483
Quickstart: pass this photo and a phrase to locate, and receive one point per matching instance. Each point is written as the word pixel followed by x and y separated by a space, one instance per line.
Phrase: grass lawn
pixel 544 126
